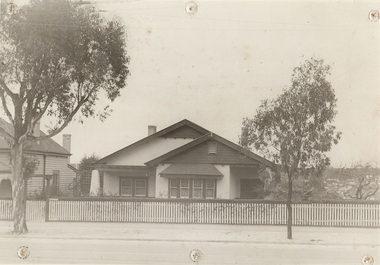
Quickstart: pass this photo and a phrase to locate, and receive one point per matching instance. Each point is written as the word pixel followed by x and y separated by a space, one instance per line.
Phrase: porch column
pixel 95 183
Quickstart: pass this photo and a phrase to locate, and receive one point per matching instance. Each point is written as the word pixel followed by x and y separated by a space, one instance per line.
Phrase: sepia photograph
pixel 189 132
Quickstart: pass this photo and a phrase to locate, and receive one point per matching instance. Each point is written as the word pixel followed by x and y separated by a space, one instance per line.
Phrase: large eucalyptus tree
pixel 57 59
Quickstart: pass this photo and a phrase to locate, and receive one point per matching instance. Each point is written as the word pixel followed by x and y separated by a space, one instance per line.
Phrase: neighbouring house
pixel 53 160
pixel 181 161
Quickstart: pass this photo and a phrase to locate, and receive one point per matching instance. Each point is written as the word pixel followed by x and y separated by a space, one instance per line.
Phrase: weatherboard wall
pixel 59 163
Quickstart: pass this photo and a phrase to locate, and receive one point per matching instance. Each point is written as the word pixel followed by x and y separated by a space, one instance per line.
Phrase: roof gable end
pixel 183 128
pixel 185 131
pixel 243 156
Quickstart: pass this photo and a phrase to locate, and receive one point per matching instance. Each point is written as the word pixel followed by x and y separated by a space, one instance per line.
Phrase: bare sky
pixel 214 67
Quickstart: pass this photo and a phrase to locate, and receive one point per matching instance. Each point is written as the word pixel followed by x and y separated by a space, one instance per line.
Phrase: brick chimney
pixel 66 143
pixel 152 129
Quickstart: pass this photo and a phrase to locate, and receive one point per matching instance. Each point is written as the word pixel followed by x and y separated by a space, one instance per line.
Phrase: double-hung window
pixel 210 189
pixel 140 187
pixel 126 187
pixel 131 187
pixel 196 188
pixel 173 188
pixel 185 188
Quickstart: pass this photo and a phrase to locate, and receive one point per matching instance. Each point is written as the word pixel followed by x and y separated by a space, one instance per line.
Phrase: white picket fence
pixel 35 210
pixel 201 212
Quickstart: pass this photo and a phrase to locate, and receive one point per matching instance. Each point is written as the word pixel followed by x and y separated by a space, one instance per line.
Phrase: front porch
pixel 126 181
pixel 178 181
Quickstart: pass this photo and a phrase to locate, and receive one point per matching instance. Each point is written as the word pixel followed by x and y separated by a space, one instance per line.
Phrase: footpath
pixel 256 234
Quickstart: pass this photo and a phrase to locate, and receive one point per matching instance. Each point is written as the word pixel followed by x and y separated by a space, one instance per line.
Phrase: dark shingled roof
pixel 192 169
pixel 46 146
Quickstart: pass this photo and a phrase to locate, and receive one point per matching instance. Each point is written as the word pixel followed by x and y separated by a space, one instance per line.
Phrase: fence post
pixel 47 199
pixel 25 194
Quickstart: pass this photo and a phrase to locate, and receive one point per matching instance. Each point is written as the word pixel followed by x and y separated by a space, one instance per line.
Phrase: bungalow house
pixel 53 160
pixel 181 161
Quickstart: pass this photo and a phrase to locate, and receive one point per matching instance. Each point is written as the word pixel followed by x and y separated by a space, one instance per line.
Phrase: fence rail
pixel 201 212
pixel 35 210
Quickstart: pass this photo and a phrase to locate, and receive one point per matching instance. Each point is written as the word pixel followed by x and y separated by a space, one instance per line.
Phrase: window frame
pixel 174 184
pixel 55 178
pixel 133 187
pixel 145 188
pixel 201 188
pixel 207 189
pixel 187 188
pixel 126 188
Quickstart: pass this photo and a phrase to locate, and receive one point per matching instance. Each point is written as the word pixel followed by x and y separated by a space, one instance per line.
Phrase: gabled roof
pixel 46 146
pixel 207 137
pixel 191 169
pixel 158 134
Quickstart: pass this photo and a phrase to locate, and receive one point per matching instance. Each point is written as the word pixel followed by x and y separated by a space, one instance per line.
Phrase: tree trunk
pixel 289 207
pixel 18 193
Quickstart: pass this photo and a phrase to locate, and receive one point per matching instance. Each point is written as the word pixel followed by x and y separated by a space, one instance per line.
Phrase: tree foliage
pixel 84 173
pixel 58 60
pixel 295 130
pixel 30 165
pixel 86 163
pixel 358 182
pixel 306 187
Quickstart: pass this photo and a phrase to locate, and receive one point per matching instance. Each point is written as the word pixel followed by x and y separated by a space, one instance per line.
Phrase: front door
pixel 251 189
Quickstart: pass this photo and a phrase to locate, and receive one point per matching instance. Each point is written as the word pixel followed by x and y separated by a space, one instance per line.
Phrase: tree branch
pixel 67 120
pixel 7 136
pixel 349 195
pixel 33 121
pixel 371 193
pixel 7 90
pixel 5 106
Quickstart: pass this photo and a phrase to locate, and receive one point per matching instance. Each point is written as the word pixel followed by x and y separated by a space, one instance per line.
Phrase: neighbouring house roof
pixel 72 167
pixel 191 169
pixel 4 168
pixel 162 133
pixel 46 146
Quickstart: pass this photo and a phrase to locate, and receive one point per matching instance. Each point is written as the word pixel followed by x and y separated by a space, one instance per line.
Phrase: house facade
pixel 181 161
pixel 53 160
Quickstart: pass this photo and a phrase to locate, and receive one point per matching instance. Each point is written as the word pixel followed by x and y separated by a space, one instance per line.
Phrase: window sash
pixel 192 188
pixel 198 188
pixel 185 188
pixel 140 187
pixel 55 179
pixel 133 187
pixel 210 189
pixel 126 187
